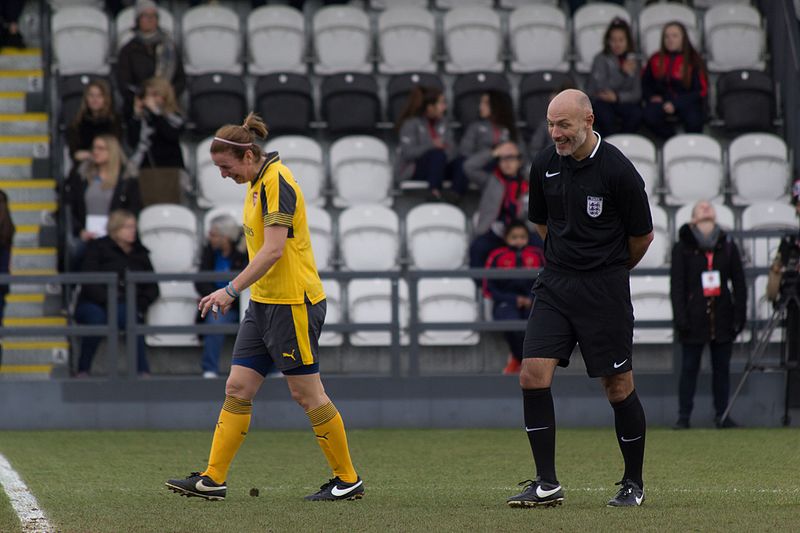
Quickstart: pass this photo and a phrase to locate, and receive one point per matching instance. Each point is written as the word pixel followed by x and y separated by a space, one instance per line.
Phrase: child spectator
pixel 96 116
pixel 674 84
pixel 496 125
pixel 512 298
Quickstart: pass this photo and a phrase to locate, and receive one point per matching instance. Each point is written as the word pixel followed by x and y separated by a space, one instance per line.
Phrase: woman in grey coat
pixel 496 125
pixel 614 85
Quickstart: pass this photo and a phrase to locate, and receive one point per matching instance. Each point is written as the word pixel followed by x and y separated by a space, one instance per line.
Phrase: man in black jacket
pixel 705 310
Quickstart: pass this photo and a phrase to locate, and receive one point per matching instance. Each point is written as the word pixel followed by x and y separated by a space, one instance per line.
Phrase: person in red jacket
pixel 674 84
pixel 512 298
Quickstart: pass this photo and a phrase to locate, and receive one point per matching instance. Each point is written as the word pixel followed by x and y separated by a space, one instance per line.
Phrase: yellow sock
pixel 234 420
pixel 329 429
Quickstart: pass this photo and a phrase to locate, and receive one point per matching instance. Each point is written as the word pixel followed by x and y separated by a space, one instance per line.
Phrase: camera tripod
pixel 788 297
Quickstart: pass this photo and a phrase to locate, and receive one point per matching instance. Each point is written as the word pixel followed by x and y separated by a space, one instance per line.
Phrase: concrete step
pixel 15 168
pixel 33 258
pixel 12 102
pixel 30 190
pixel 13 372
pixel 20 59
pixel 27 288
pixel 24 305
pixel 24 124
pixel 24 145
pixel 31 80
pixel 39 321
pixel 32 212
pixel 26 236
pixel 45 351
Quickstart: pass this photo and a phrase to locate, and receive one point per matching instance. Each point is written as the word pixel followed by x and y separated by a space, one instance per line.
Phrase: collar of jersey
pixel 586 161
pixel 272 157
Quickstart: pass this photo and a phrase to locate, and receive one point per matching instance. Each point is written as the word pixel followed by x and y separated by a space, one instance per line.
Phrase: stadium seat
pixel 759 168
pixel 211 40
pixel 342 40
pixel 734 38
pixel 658 254
pixel 303 156
pixel 80 40
pixel 436 236
pixel 369 301
pixel 233 210
pixel 125 23
pixel 284 102
pixel 512 4
pixel 706 4
pixel 400 85
pixel 642 153
pixel 276 40
pixel 407 40
pixel 447 300
pixel 535 91
pixel 766 216
pixel 333 312
pixel 215 100
pixel 213 189
pixel 539 38
pixel 473 40
pixel 651 301
pixel 652 19
pixel 725 217
pixel 589 25
pixel 61 4
pixel 468 89
pixel 452 4
pixel 692 169
pixel 70 94
pixel 369 237
pixel 361 172
pixel 320 229
pixel 746 100
pixel 169 231
pixel 176 305
pixel 350 103
pixel 385 4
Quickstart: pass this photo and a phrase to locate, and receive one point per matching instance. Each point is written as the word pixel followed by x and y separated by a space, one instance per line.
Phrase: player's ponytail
pixel 255 125
pixel 238 139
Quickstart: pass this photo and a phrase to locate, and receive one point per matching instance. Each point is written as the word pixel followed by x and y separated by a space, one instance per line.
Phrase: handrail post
pixel 413 325
pixel 131 335
pixel 395 328
pixel 112 339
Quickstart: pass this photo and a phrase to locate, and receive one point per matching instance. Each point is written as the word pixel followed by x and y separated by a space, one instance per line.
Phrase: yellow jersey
pixel 274 199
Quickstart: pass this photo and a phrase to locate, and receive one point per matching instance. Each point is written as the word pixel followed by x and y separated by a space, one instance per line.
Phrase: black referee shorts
pixel 592 309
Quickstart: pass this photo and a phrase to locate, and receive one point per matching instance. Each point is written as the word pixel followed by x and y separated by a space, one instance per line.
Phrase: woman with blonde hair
pixel 155 127
pixel 95 117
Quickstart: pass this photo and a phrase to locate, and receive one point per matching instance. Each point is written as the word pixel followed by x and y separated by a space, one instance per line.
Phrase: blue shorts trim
pixel 263 364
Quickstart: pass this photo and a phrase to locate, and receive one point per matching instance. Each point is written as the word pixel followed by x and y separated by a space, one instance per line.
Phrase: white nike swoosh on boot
pixel 202 487
pixel 541 493
pixel 535 429
pixel 623 439
pixel 336 491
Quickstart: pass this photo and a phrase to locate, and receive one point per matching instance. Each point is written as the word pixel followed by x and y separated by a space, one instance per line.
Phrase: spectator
pixel 504 191
pixel 7 231
pixel 96 116
pixel 155 127
pixel 614 85
pixel 221 254
pixel 10 36
pixel 98 186
pixel 150 53
pixel 427 148
pixel 674 84
pixel 704 261
pixel 117 252
pixel 512 298
pixel 496 125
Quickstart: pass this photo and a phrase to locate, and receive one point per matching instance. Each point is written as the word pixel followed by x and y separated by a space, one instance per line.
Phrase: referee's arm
pixel 637 247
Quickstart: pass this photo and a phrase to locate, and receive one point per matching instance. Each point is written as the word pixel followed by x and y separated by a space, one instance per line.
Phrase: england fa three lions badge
pixel 594 206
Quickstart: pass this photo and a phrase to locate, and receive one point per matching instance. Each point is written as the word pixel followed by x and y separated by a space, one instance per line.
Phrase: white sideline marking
pixel 22 500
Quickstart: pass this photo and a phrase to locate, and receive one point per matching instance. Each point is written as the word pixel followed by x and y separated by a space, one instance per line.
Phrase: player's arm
pixel 637 247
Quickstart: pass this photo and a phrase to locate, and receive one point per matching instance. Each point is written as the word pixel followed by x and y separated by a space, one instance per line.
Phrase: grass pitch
pixel 416 480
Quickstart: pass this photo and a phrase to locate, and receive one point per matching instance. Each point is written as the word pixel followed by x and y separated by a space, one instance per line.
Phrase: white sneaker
pixel 208 374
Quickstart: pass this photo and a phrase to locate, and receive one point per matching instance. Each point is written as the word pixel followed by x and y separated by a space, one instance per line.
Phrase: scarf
pixel 705 243
pixel 164 52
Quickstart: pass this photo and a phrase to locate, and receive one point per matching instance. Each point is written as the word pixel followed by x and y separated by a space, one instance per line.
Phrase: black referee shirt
pixel 590 207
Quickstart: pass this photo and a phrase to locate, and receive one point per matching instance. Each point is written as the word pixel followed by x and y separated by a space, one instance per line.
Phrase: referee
pixel 588 204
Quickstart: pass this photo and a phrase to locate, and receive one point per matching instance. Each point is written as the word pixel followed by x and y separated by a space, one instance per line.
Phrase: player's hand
pixel 669 108
pixel 217 302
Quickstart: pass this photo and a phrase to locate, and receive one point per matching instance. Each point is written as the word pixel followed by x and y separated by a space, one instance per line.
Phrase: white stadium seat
pixel 276 40
pixel 211 40
pixel 213 188
pixel 734 38
pixel 369 237
pixel 303 157
pixel 386 4
pixel 692 169
pixel 369 301
pixel 176 305
pixel 169 231
pixel 361 172
pixel 759 168
pixel 61 4
pixel 512 4
pixel 232 210
pixel 80 40
pixel 333 313
pixel 725 217
pixel 651 301
pixel 436 236
pixel 642 153
pixel 652 19
pixel 539 38
pixel 658 253
pixel 447 300
pixel 589 25
pixel 766 216
pixel 320 228
pixel 407 40
pixel 452 4
pixel 473 40
pixel 342 40
pixel 125 23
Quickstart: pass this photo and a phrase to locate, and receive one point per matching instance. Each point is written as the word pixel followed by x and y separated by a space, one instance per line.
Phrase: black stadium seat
pixel 350 103
pixel 745 100
pixel 467 91
pixel 215 100
pixel 535 90
pixel 400 85
pixel 284 102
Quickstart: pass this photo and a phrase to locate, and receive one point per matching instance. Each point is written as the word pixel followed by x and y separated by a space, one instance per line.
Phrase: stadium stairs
pixel 24 176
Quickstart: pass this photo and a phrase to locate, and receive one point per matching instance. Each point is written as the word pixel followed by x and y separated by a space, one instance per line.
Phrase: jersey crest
pixel 594 206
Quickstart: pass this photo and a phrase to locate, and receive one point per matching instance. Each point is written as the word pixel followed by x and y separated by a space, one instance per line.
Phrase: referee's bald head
pixel 571 101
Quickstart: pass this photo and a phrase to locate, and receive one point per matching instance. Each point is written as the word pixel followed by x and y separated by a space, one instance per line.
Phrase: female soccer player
pixel 283 321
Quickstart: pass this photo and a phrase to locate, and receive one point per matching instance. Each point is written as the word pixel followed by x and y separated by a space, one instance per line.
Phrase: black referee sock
pixel 540 425
pixel 630 424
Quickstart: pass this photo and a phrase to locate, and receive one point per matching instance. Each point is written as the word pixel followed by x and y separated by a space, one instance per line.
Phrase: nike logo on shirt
pixel 336 491
pixel 547 174
pixel 202 487
pixel 617 365
pixel 535 429
pixel 623 439
pixel 545 493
